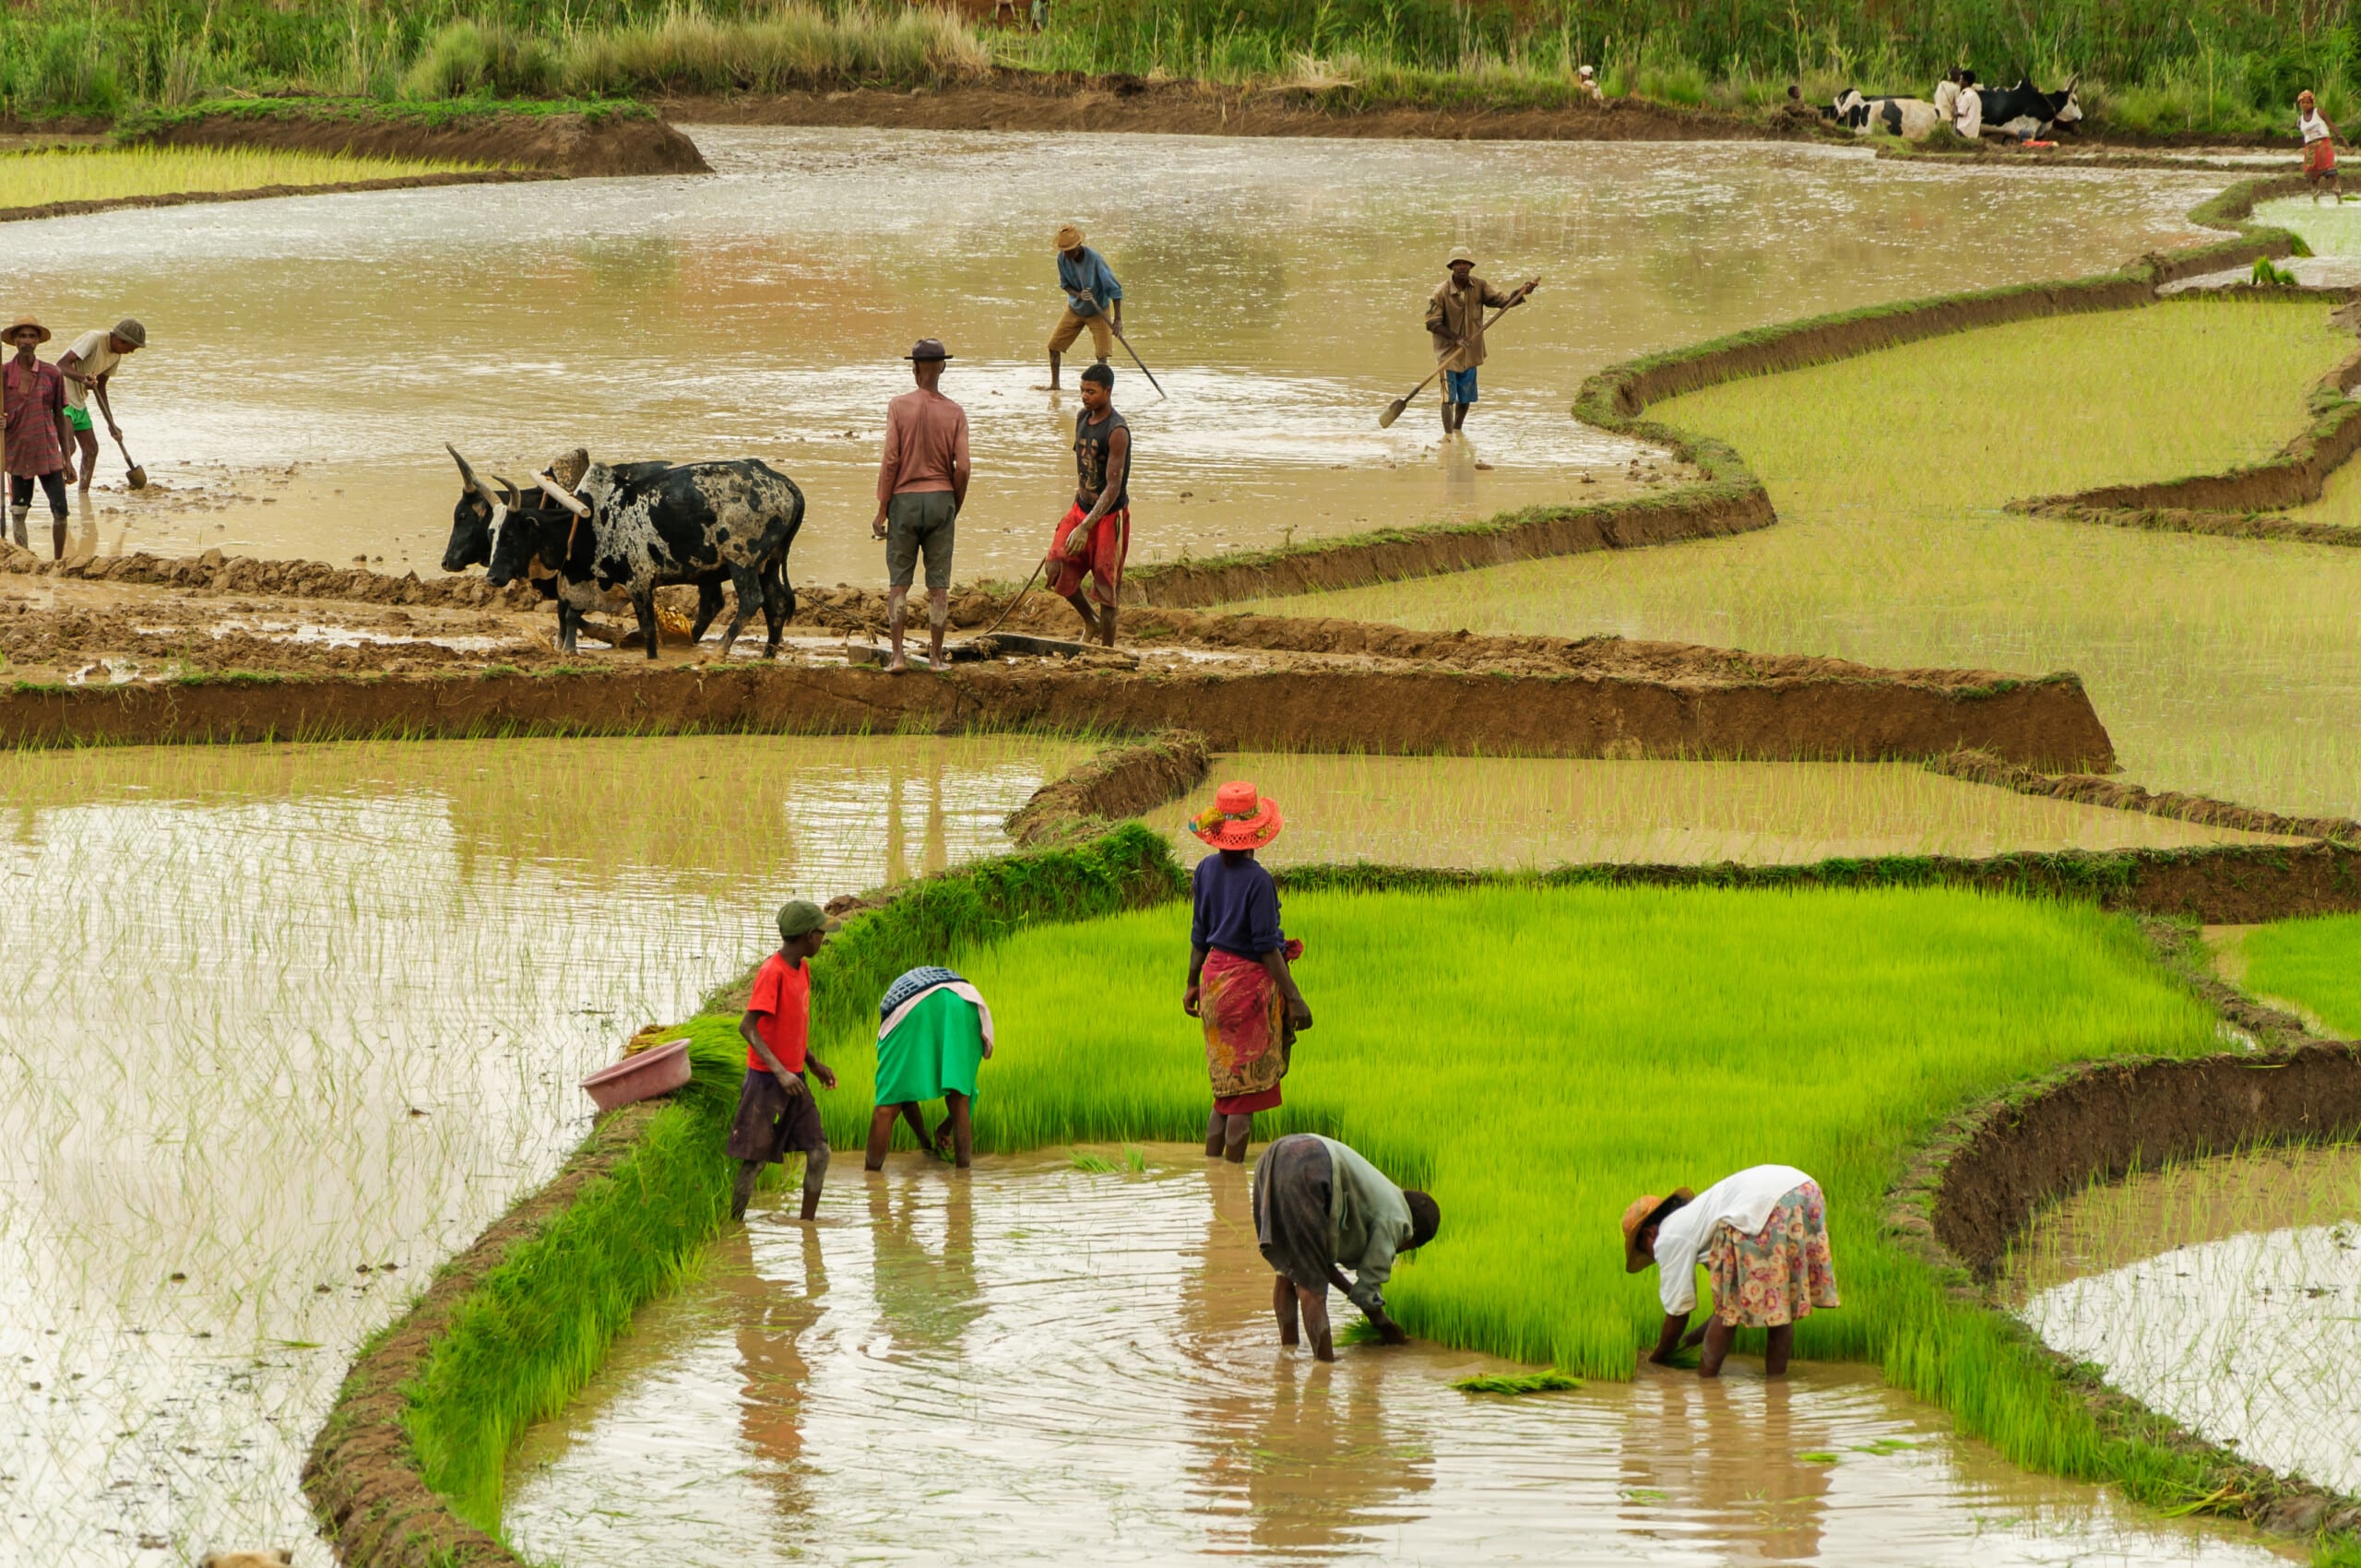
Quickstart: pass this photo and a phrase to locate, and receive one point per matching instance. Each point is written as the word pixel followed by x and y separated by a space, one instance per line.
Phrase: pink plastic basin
pixel 658 1070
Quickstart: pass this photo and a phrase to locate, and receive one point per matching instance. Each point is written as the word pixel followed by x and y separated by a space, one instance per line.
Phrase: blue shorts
pixel 1459 385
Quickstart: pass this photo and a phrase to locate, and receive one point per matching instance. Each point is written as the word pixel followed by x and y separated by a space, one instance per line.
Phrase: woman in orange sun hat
pixel 1239 980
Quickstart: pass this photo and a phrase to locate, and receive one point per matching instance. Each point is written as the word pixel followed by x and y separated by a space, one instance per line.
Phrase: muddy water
pixel 285 1026
pixel 2226 1293
pixel 1037 1363
pixel 1502 812
pixel 311 356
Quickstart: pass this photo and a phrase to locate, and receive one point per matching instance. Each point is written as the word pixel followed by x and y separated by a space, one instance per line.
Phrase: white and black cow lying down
pixel 695 523
pixel 2022 112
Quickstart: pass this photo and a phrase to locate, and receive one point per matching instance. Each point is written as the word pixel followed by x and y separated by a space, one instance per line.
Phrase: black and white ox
pixel 1910 118
pixel 477 511
pixel 2025 111
pixel 696 523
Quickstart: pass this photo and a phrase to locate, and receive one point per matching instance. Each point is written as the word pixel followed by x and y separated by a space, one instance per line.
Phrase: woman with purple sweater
pixel 1239 980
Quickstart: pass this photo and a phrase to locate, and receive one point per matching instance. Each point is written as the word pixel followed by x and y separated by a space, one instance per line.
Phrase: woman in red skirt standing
pixel 2320 146
pixel 1239 980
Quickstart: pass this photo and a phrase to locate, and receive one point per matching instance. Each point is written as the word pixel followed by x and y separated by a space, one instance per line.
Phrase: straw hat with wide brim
pixel 1645 1211
pixel 1068 237
pixel 21 323
pixel 1240 818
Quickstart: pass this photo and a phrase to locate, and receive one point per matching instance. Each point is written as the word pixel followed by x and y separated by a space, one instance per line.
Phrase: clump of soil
pixel 566 144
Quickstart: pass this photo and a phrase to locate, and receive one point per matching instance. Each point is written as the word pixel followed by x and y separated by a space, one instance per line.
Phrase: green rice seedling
pixel 2225 667
pixel 1549 1381
pixel 1095 1163
pixel 2314 963
pixel 36 178
pixel 1541 812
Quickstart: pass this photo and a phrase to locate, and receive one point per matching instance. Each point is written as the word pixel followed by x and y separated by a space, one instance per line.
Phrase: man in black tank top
pixel 1095 534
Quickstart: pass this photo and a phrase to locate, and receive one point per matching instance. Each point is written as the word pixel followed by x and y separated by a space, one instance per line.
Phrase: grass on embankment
pixel 2314 963
pixel 37 179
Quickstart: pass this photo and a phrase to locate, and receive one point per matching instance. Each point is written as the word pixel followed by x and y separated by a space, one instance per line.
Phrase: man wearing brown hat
pixel 38 436
pixel 1091 293
pixel 87 366
pixel 922 484
pixel 1455 321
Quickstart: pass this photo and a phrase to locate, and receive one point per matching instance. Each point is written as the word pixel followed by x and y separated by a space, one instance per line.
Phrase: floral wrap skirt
pixel 1782 1272
pixel 1247 1038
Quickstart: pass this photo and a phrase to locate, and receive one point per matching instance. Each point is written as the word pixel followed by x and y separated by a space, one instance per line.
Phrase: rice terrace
pixel 1124 782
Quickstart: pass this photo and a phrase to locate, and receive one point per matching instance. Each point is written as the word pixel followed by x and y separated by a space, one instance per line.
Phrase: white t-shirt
pixel 1745 1200
pixel 95 352
pixel 1946 99
pixel 1967 115
pixel 2313 126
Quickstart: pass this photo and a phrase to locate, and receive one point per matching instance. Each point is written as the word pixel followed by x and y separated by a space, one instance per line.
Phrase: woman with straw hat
pixel 1762 1237
pixel 1239 980
pixel 39 439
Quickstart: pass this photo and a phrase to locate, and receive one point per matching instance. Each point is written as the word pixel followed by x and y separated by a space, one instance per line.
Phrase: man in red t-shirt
pixel 776 1111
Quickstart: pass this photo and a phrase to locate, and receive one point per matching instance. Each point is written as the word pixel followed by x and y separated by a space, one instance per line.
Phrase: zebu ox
pixel 695 523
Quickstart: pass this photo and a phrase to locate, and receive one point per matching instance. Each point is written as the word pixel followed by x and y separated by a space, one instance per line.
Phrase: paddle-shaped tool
pixel 1394 409
pixel 133 474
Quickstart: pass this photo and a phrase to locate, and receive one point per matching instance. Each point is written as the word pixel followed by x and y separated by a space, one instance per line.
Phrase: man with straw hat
pixel 1239 982
pixel 1455 321
pixel 776 1114
pixel 1762 1237
pixel 922 484
pixel 87 366
pixel 38 436
pixel 1091 293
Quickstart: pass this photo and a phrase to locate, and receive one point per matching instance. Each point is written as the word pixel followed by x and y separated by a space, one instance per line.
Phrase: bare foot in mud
pixel 897 666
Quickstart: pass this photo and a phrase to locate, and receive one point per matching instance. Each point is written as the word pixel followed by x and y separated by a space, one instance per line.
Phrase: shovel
pixel 133 473
pixel 1394 409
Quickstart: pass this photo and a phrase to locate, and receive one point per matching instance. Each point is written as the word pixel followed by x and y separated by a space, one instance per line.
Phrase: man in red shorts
pixel 776 1115
pixel 1095 534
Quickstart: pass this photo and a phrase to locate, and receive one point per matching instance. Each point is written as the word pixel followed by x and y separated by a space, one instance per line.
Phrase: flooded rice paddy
pixel 286 1026
pixel 2226 1293
pixel 2226 667
pixel 1540 813
pixel 310 357
pixel 1039 1363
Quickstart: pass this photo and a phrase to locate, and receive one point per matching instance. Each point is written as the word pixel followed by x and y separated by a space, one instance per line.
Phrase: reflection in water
pixel 2226 1293
pixel 1033 1363
pixel 324 349
pixel 284 1026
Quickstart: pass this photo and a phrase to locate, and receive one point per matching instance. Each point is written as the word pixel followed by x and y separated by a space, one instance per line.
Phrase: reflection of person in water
pixel 1724 1455
pixel 772 1319
pixel 927 1301
pixel 1307 1458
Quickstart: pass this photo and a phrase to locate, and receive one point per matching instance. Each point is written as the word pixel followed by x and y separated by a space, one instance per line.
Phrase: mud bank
pixel 1126 781
pixel 1031 100
pixel 272 193
pixel 583 146
pixel 1293 709
pixel 2088 789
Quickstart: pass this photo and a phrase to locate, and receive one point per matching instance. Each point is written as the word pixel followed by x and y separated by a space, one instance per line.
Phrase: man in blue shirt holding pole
pixel 1091 294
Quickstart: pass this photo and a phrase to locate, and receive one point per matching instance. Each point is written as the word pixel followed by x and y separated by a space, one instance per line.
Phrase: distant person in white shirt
pixel 2319 147
pixel 1763 1237
pixel 1967 108
pixel 1947 97
pixel 87 366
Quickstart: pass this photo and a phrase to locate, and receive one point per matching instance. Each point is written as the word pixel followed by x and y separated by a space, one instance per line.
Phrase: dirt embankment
pixel 1032 100
pixel 1389 708
pixel 2086 788
pixel 271 193
pixel 574 145
pixel 1124 782
pixel 362 1478
pixel 1701 511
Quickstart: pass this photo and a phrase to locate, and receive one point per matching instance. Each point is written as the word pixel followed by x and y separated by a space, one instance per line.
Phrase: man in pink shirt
pixel 922 484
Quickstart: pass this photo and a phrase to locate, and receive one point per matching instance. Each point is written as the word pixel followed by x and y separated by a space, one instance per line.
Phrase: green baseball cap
pixel 799 917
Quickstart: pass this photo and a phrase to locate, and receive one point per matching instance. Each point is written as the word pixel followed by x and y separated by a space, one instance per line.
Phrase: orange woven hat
pixel 1645 1210
pixel 1240 818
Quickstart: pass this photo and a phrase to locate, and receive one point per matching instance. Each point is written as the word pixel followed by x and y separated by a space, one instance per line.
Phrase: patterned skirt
pixel 1246 1033
pixel 1778 1275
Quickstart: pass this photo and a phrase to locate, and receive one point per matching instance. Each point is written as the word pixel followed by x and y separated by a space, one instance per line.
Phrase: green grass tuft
pixel 1550 1382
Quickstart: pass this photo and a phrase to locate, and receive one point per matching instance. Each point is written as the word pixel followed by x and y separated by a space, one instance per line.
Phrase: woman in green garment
pixel 933 1031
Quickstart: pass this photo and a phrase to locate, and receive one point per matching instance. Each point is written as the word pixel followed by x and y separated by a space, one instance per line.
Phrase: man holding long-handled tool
pixel 1095 534
pixel 88 367
pixel 1456 321
pixel 1092 293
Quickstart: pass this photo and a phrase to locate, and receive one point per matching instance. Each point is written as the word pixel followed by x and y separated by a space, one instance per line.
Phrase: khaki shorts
pixel 925 521
pixel 1069 327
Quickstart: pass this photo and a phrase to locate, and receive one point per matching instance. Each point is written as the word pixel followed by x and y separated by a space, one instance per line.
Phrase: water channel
pixel 311 356
pixel 284 1026
pixel 1041 1363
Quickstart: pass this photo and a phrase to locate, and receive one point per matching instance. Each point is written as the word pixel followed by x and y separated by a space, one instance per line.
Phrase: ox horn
pixel 509 494
pixel 467 474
